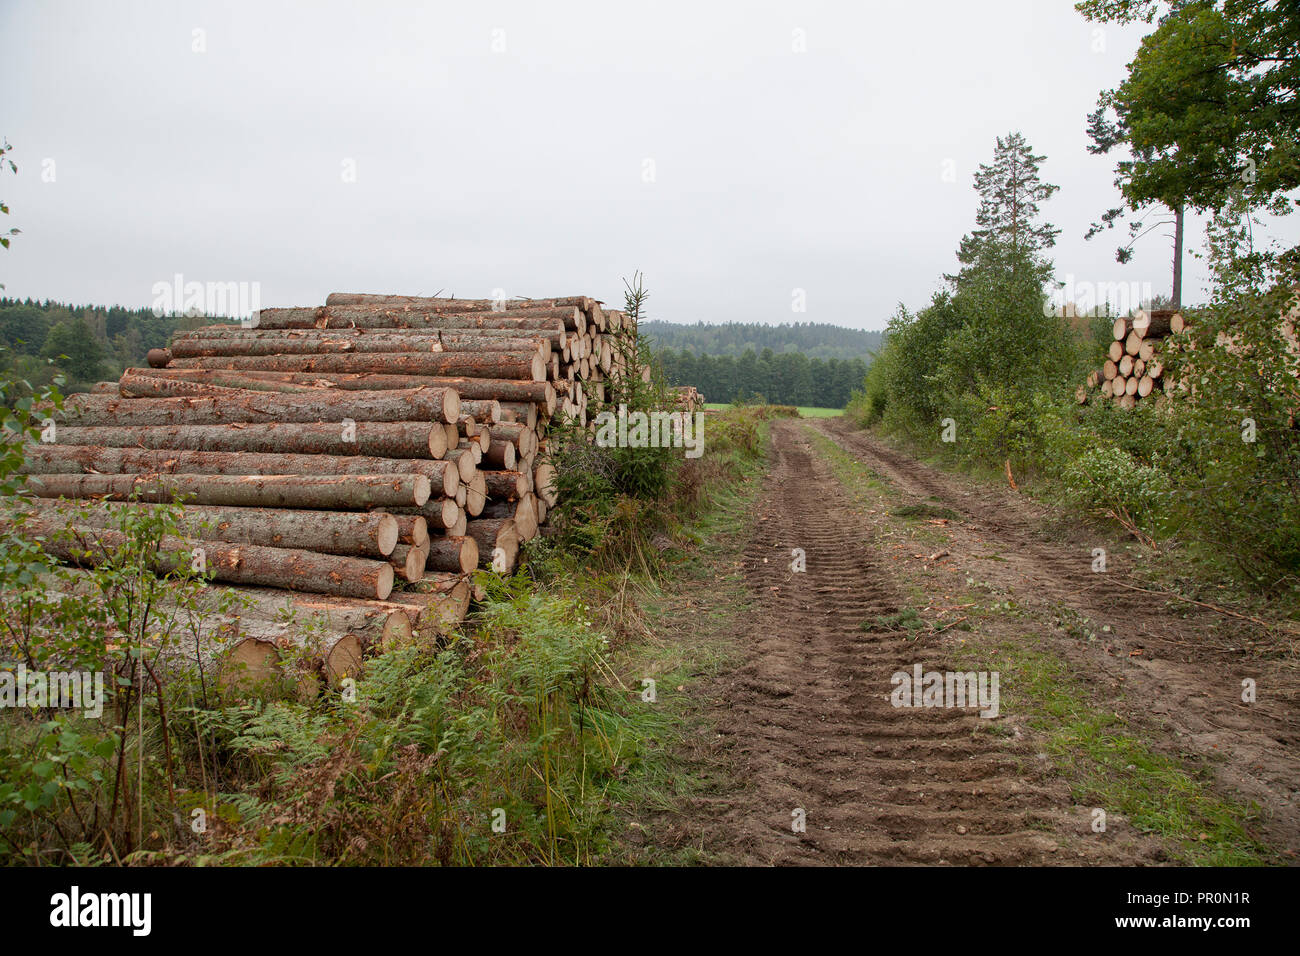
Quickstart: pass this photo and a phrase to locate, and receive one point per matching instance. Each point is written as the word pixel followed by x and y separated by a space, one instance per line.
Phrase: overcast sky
pixel 733 152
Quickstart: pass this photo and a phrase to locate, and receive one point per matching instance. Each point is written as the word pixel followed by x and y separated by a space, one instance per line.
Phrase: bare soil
pixel 805 730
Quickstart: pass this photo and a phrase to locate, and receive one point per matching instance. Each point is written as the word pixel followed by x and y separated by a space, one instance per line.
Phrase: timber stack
pixel 1135 363
pixel 354 462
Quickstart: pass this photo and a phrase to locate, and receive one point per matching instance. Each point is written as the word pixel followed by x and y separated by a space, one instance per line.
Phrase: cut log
pixel 505 485
pixel 412 529
pixel 408 561
pixel 321 383
pixel 349 317
pixel 454 553
pixel 525 413
pixel 527 366
pixel 327 405
pixel 463 458
pixel 523 511
pixel 44 459
pixel 1153 323
pixel 1126 366
pixel 1132 344
pixel 523 437
pixel 1144 386
pixel 232 563
pixel 375 439
pixel 336 492
pixel 483 410
pixel 475 495
pixel 498 543
pixel 544 484
pixel 1116 351
pixel 501 455
pixel 331 532
pixel 1110 370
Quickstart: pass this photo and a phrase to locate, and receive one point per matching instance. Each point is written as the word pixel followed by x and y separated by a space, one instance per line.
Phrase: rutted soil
pixel 807 723
pixel 1174 669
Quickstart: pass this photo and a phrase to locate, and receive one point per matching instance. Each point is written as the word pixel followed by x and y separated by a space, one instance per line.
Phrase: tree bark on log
pixel 498 543
pixel 367 534
pixel 526 366
pixel 505 485
pixel 452 553
pixel 483 410
pixel 232 563
pixel 439 404
pixel 544 484
pixel 334 492
pixel 373 439
pixel 42 459
pixel 475 495
pixel 506 390
pixel 353 317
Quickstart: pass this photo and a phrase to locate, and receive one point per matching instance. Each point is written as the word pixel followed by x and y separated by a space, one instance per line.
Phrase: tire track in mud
pixel 1185 679
pixel 810 722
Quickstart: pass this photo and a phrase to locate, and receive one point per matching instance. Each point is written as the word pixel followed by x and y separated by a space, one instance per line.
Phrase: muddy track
pixel 809 722
pixel 1180 667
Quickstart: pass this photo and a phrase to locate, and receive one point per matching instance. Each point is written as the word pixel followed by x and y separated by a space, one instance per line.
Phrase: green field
pixel 805 411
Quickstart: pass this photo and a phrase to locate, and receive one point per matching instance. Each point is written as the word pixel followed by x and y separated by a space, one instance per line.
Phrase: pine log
pixel 475 495
pixel 498 543
pixel 544 484
pixel 290 568
pixel 523 511
pixel 1132 344
pixel 1152 323
pixel 1110 370
pixel 326 405
pixel 408 561
pixel 43 459
pixel 1116 351
pixel 375 439
pixel 524 438
pixel 483 410
pixel 338 492
pixel 1126 366
pixel 454 553
pixel 501 455
pixel 505 485
pixel 527 365
pixel 412 529
pixel 1145 385
pixel 348 317
pixel 372 535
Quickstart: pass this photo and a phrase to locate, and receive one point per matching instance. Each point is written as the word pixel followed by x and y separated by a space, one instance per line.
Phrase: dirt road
pixel 829 771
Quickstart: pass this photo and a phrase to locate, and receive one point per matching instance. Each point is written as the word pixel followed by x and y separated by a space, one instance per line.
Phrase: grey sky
pixel 524 169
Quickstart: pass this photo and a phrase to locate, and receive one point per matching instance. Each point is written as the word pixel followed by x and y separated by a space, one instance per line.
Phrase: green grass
pixel 1111 767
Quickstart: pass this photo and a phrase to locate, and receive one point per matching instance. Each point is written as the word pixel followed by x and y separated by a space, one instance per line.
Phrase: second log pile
pixel 372 452
pixel 1134 367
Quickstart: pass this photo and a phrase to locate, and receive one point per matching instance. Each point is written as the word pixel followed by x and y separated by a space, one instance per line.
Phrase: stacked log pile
pixel 370 453
pixel 1135 366
pixel 688 398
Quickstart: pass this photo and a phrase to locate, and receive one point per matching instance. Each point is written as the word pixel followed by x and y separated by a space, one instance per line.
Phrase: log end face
pixel 386 537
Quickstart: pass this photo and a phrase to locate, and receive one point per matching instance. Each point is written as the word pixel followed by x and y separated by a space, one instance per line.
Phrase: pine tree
pixel 1010 190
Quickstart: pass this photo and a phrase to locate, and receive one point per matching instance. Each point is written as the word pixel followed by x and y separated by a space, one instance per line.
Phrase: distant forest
pixel 800 363
pixel 790 378
pixel 812 339
pixel 85 343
